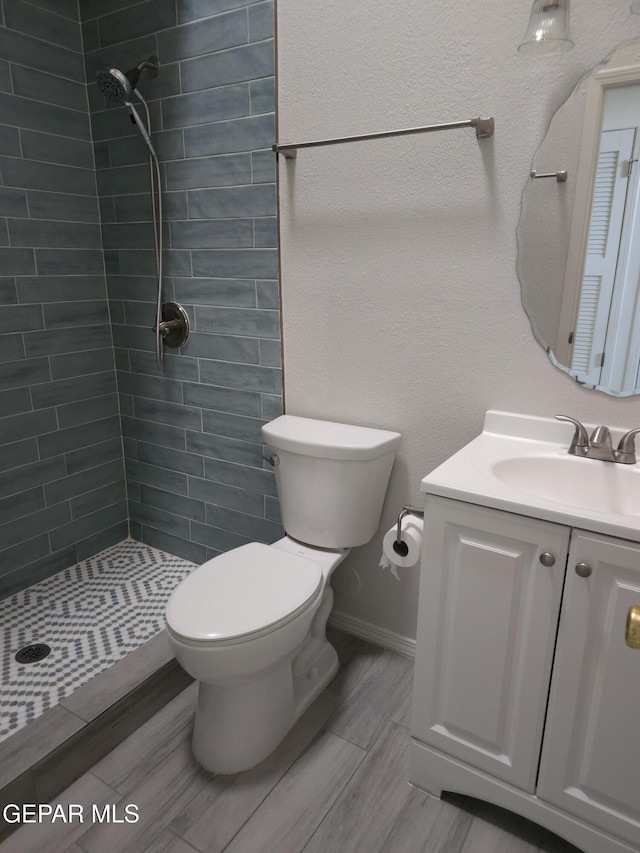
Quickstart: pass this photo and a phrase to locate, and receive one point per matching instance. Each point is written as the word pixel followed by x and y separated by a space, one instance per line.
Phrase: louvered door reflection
pixel 605 227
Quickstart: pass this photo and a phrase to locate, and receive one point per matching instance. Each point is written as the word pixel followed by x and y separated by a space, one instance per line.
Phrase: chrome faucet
pixel 599 445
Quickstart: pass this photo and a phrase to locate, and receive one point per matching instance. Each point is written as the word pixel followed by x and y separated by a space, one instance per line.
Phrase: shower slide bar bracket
pixel 484 128
pixel 560 176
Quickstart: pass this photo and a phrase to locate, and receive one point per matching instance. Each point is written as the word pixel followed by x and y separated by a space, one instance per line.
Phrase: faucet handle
pixel 580 437
pixel 626 452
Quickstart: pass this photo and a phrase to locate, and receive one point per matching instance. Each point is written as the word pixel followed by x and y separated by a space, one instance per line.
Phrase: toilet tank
pixel 331 478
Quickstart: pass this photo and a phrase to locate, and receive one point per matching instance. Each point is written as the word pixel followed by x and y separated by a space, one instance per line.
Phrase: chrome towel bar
pixel 484 129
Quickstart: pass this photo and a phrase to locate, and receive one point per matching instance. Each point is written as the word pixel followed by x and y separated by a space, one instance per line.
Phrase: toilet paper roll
pixel 411 529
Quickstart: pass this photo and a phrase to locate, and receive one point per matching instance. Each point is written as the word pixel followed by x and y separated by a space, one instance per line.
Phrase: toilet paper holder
pixel 401 548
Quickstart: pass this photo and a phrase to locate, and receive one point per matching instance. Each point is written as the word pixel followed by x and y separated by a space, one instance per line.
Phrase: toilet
pixel 250 624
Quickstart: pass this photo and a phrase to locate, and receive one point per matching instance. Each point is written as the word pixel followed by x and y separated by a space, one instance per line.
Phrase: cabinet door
pixel 591 755
pixel 487 623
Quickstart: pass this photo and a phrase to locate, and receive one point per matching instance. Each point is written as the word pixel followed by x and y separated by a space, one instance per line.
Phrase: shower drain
pixel 33 653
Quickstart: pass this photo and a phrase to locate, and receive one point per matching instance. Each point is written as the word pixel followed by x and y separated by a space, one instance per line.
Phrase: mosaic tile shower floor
pixel 91 615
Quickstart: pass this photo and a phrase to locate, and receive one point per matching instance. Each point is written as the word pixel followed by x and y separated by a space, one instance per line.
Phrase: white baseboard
pixel 366 631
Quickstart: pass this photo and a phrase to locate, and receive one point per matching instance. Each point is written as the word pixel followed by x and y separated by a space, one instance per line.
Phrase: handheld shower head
pixel 119 86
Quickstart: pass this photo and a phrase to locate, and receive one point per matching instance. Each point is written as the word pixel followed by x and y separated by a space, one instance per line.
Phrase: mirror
pixel 579 238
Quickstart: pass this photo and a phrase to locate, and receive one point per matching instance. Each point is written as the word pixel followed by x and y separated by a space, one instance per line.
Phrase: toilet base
pixel 238 725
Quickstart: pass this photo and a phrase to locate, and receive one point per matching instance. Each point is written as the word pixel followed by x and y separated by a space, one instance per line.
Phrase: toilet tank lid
pixel 327 439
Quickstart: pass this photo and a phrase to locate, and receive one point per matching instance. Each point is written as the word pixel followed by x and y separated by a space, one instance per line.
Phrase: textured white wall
pixel 401 302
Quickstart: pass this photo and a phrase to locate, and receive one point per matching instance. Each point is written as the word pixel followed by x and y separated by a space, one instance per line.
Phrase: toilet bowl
pixel 250 625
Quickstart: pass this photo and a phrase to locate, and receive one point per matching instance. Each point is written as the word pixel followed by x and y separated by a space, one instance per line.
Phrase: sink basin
pixel 583 483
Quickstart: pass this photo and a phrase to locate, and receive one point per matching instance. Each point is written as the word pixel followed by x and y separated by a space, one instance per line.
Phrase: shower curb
pixel 46 756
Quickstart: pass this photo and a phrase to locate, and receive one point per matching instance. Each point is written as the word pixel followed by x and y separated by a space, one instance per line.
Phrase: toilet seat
pixel 241 594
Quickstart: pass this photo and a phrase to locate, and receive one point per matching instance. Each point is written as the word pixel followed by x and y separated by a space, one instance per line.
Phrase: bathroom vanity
pixel 527 687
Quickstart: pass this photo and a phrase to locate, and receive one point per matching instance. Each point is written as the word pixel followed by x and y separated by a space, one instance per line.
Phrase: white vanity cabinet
pixel 526 693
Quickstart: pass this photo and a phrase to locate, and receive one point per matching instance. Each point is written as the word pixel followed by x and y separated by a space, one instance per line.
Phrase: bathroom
pixel 401 306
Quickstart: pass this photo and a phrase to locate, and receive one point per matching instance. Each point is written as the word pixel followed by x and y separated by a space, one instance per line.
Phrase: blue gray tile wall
pixel 62 490
pixel 197 482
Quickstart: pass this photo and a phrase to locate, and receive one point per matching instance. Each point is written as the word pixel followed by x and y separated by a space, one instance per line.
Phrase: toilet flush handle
pixel 272 460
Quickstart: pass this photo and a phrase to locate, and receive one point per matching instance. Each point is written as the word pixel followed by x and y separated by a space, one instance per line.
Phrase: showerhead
pixel 119 86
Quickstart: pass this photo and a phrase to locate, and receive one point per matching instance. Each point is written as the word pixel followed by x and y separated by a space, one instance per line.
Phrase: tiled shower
pixel 81 398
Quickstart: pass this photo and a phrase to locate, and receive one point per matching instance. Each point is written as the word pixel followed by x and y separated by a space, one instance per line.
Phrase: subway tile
pixel 223 137
pixel 160 477
pixel 17 262
pixel 139 20
pixel 50 177
pixel 227 449
pixel 217 171
pixel 65 440
pixel 174 367
pixel 98 499
pixel 30 83
pixel 34 524
pixel 133 337
pixel 261 23
pixel 62 206
pixel 177 504
pixel 85 411
pixel 253 200
pixel 132 235
pixel 90 35
pixel 268 294
pixel 67 8
pixel 51 233
pixel 4 233
pixel 6 84
pixel 249 62
pixel 89 525
pixel 225 495
pixel 262 529
pixel 77 484
pixel 24 503
pixel 216 538
pixel 57 341
pixel 35 571
pixel 243 476
pixel 254 322
pixel 222 399
pixel 31 474
pixel 263 166
pixel 155 387
pixel 21 318
pixel 212 105
pixel 174 414
pixel 167 522
pixel 168 144
pixel 191 10
pixel 177 460
pixel 222 348
pixel 266 232
pixel 243 263
pixel 11 349
pixel 42 24
pixel 212 233
pixel 10 141
pixel 93 455
pixel 191 551
pixel 13 202
pixel 96 361
pixel 270 353
pixel 241 376
pixel 48 118
pixel 140 287
pixel 41 55
pixel 233 426
pixel 230 292
pixel 92 312
pixel 8 292
pixel 271 406
pixel 61 288
pixel 204 36
pixel 29 424
pixel 15 374
pixel 50 148
pixel 19 453
pixel 262 96
pixel 15 400
pixel 272 509
pixel 123 180
pixel 103 539
pixel 19 555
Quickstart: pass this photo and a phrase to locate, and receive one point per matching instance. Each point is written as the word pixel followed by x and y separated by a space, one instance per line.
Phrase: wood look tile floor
pixel 338 783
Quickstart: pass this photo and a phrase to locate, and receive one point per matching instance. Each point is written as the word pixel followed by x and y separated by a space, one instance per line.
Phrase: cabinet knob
pixel 547 559
pixel 632 633
pixel 583 569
